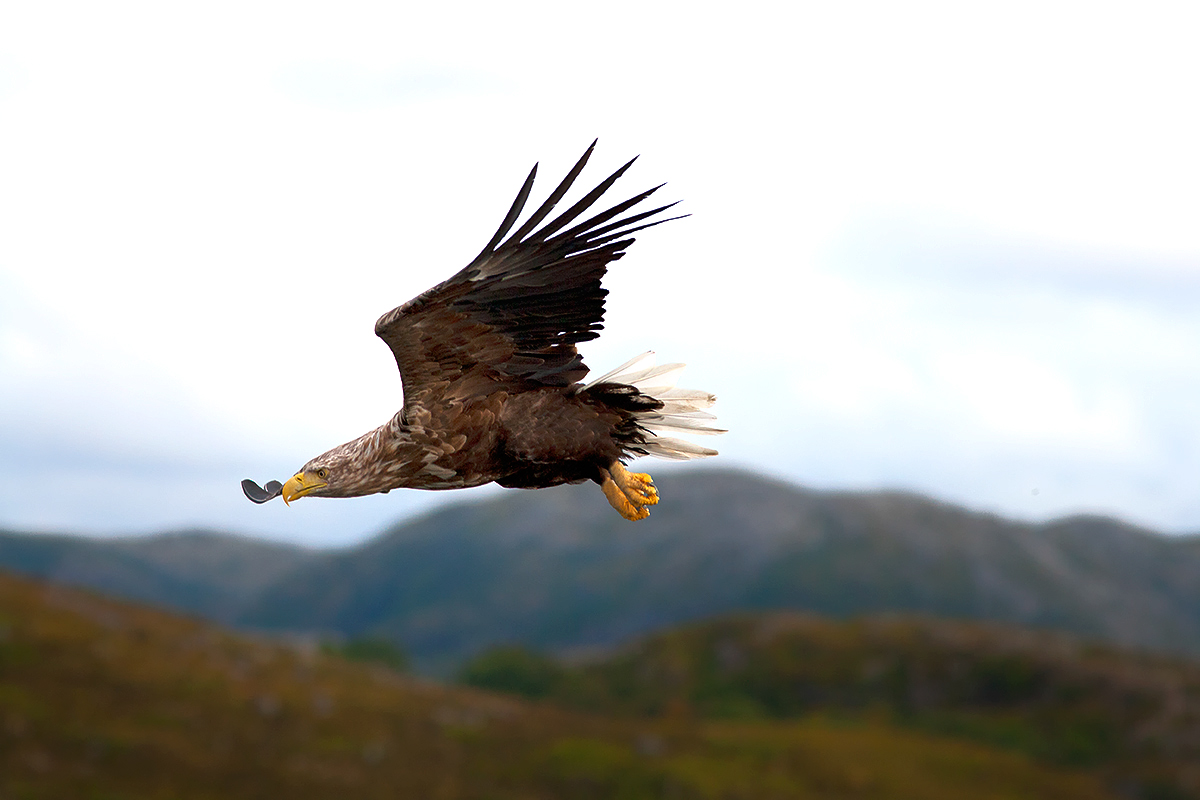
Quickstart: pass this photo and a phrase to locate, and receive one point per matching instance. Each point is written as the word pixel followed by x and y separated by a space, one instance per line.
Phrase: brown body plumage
pixel 492 375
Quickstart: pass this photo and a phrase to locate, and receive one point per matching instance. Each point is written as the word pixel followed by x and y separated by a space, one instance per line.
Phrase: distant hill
pixel 203 572
pixel 557 569
pixel 103 699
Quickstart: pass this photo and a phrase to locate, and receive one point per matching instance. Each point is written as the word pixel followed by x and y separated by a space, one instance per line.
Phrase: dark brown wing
pixel 512 317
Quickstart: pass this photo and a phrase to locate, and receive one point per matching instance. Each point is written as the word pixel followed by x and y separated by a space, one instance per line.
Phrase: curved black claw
pixel 260 494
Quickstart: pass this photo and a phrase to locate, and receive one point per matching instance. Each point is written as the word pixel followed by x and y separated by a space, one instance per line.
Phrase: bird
pixel 493 381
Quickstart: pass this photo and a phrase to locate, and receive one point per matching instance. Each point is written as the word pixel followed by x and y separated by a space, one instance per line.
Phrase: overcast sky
pixel 952 248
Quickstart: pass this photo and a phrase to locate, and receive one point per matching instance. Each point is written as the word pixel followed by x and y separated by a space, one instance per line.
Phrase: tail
pixel 670 410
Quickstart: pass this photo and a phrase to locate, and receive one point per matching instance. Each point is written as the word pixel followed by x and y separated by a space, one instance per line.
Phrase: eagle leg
pixel 628 492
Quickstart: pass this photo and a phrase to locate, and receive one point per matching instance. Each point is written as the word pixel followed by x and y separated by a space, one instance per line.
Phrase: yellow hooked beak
pixel 300 484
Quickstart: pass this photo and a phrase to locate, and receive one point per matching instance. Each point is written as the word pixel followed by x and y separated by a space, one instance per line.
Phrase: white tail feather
pixel 670 408
pixel 627 367
pixel 675 449
pixel 677 423
pixel 680 413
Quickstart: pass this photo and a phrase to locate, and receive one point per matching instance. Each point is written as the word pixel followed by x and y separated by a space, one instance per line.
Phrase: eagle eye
pixel 322 473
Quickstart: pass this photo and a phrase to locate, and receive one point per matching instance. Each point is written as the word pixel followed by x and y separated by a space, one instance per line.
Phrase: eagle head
pixel 371 463
pixel 309 480
pixel 332 474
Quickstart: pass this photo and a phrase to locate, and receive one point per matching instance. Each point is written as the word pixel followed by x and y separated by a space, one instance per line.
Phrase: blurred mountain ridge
pixel 209 573
pixel 557 569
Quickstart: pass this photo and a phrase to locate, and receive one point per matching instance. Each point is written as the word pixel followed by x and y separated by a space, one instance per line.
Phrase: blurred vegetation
pixel 1135 718
pixel 517 670
pixel 370 650
pixel 103 699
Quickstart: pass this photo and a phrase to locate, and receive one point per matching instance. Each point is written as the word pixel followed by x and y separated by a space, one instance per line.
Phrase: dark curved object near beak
pixel 260 494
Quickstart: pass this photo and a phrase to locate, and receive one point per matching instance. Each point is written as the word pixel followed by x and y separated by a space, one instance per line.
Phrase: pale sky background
pixel 952 248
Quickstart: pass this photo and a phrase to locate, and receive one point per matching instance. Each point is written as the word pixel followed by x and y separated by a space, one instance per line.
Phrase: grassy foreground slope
pixel 103 699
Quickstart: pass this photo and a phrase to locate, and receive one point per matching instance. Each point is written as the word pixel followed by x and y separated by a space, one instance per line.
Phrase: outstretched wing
pixel 512 317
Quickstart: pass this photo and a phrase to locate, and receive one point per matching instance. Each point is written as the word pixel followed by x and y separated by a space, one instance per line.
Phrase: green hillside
pixel 1133 717
pixel 102 699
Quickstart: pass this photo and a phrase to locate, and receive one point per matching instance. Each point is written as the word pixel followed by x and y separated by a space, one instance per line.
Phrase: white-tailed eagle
pixel 493 383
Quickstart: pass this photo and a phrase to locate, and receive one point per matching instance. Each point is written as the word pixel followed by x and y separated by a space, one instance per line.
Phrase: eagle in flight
pixel 492 379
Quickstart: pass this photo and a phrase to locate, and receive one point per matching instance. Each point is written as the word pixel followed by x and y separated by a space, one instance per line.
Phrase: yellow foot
pixel 629 492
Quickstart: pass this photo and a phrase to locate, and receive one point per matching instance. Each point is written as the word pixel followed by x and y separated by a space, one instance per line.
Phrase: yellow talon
pixel 642 485
pixel 629 492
